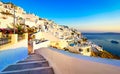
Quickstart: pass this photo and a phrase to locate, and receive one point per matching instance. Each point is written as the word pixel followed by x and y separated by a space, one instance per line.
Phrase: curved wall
pixel 69 63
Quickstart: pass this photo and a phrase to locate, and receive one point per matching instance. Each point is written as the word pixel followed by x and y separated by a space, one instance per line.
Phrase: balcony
pixel 4 41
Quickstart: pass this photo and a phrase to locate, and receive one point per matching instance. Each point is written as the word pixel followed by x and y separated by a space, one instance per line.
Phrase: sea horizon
pixel 104 40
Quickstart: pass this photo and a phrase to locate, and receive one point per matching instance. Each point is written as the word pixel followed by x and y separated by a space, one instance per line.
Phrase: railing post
pixel 14 38
pixel 30 47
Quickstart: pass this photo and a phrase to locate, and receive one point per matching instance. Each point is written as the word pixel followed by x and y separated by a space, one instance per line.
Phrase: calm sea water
pixel 105 41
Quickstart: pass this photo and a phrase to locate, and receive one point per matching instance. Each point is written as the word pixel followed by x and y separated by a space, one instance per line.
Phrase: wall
pixel 41 45
pixel 47 36
pixel 13 53
pixel 84 50
pixel 69 63
pixel 39 35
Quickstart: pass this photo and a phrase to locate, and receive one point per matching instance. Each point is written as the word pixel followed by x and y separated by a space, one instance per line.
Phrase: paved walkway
pixel 33 64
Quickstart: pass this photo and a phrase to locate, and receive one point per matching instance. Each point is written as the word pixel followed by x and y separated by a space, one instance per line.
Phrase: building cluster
pixel 61 37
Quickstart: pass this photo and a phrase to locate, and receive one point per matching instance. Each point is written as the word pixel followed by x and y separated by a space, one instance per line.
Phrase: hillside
pixel 69 39
pixel 25 19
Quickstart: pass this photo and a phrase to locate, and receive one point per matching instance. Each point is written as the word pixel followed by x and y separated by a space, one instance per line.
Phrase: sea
pixel 104 40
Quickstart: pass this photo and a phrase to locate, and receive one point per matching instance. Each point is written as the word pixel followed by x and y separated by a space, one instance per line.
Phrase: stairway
pixel 33 64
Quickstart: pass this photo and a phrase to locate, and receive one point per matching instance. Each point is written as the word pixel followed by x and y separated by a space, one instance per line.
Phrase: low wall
pixel 69 63
pixel 13 53
pixel 40 45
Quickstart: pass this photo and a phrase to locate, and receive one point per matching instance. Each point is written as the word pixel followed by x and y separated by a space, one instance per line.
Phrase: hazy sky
pixel 85 15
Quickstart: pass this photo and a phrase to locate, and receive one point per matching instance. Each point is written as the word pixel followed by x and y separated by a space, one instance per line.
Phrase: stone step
pixel 29 61
pixel 32 59
pixel 28 65
pixel 38 70
pixel 35 55
pixel 37 52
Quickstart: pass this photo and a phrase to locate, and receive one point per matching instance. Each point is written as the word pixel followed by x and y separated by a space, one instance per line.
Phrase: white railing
pixel 41 44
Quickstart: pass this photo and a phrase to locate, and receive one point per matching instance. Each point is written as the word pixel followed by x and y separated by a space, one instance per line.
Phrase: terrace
pixel 8 38
pixel 4 41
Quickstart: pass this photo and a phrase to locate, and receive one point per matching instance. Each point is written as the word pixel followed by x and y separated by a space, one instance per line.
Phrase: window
pixel 88 50
pixel 80 50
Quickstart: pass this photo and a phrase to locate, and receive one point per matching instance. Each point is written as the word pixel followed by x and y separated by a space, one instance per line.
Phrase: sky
pixel 84 15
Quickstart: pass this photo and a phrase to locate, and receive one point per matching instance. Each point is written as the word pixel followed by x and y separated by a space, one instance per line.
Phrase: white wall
pixel 40 45
pixel 69 64
pixel 22 43
pixel 39 35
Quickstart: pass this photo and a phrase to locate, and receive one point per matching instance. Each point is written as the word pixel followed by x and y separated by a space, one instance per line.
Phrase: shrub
pixel 6 13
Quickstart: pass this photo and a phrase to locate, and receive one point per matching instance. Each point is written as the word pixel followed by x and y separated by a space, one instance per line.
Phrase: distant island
pixel 114 42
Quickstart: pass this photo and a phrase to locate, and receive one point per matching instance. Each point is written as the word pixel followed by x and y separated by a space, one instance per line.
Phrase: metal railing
pixel 5 40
